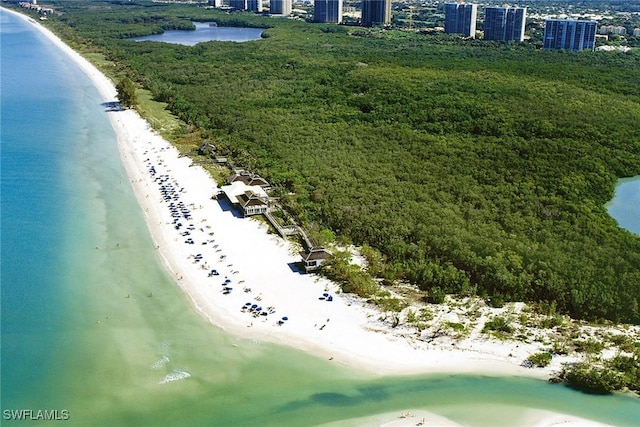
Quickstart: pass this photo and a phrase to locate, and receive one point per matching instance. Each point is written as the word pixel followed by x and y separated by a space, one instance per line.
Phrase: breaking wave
pixel 175 376
pixel 160 362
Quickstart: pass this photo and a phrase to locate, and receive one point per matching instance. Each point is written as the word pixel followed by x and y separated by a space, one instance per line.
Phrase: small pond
pixel 204 32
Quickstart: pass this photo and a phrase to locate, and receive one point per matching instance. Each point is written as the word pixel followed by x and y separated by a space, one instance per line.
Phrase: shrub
pixel 496 301
pixel 594 380
pixel 436 295
pixel 552 321
pixel 425 314
pixel 541 359
pixel 391 304
pixel 589 346
pixel 455 326
pixel 559 347
pixel 498 324
pixel 350 277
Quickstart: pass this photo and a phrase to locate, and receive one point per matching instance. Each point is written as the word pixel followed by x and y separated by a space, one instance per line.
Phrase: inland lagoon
pixel 625 205
pixel 204 32
pixel 92 324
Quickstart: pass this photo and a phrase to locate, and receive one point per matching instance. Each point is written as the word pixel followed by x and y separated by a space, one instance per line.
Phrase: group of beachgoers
pixel 182 219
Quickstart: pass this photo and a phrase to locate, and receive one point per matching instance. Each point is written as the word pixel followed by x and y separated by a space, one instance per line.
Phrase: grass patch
pixel 160 119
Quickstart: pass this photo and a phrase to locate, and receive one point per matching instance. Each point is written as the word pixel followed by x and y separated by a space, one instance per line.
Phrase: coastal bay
pixel 140 149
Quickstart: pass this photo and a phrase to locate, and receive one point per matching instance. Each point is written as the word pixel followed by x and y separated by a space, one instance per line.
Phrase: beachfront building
pixel 252 203
pixel 504 23
pixel 329 11
pixel 280 7
pixel 460 18
pixel 376 12
pixel 314 258
pixel 569 34
pixel 250 199
pixel 249 178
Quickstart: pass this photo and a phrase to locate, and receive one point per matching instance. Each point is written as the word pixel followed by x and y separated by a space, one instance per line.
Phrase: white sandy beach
pixel 344 330
pixel 419 417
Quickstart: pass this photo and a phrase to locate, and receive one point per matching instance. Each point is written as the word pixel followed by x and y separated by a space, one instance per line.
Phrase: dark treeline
pixel 474 168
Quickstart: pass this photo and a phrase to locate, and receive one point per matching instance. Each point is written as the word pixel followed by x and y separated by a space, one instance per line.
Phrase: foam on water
pixel 175 376
pixel 160 362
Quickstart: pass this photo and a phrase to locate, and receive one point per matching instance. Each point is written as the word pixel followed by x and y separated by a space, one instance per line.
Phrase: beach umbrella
pixel 285 318
pixel 227 281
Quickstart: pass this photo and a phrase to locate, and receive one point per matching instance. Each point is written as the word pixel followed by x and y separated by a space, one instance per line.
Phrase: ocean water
pixel 92 324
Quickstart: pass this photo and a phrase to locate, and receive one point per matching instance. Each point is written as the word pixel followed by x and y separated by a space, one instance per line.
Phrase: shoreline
pixel 345 331
pixel 420 417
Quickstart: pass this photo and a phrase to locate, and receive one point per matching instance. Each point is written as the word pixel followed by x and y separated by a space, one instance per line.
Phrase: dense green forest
pixel 472 167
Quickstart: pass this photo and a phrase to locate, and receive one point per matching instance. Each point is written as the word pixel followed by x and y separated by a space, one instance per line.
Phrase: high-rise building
pixel 376 12
pixel 254 5
pixel 460 18
pixel 280 7
pixel 327 11
pixel 569 34
pixel 238 4
pixel 504 23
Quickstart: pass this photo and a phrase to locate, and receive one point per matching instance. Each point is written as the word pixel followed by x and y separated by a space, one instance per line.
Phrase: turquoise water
pixel 204 33
pixel 73 247
pixel 625 206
